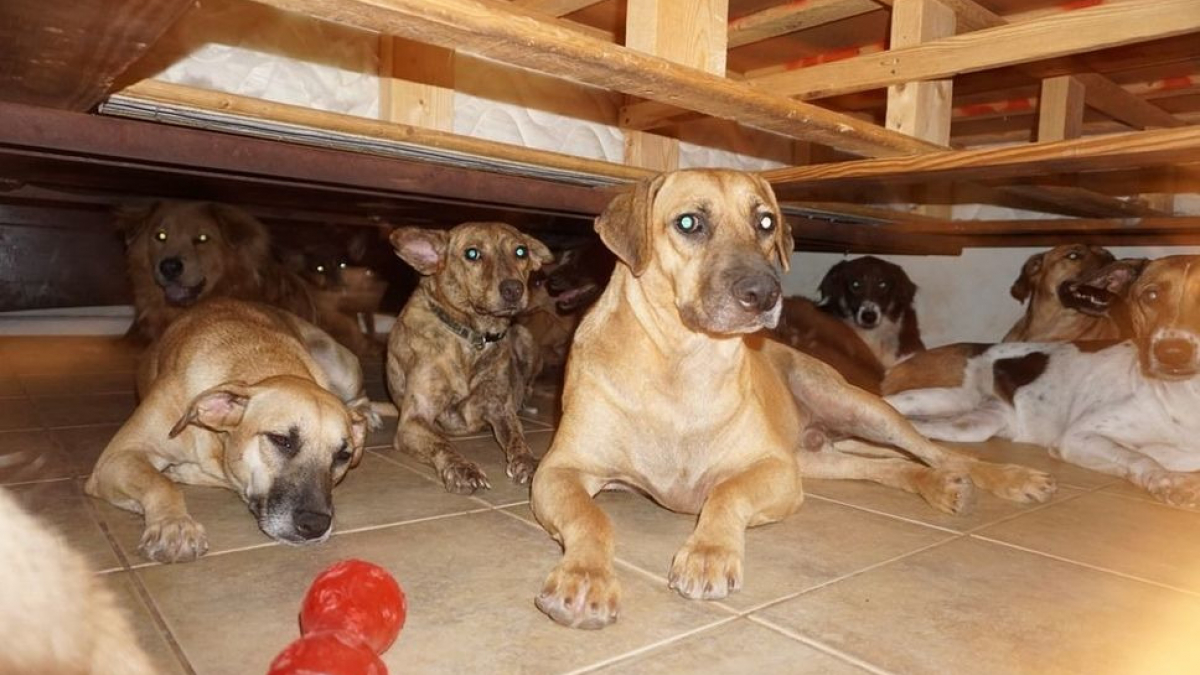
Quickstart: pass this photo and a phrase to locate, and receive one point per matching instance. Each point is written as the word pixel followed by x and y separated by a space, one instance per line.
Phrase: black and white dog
pixel 875 298
pixel 1126 408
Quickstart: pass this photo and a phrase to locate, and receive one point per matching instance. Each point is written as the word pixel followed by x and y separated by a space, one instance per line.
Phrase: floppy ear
pixel 538 252
pixel 625 225
pixel 784 243
pixel 1023 286
pixel 908 290
pixel 832 281
pixel 425 250
pixel 132 220
pixel 217 409
pixel 356 246
pixel 238 227
pixel 362 419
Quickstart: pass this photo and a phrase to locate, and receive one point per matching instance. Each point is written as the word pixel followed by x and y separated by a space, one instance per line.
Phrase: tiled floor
pixel 1101 580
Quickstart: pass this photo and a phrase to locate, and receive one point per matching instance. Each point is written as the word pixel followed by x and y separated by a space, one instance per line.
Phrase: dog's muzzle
pixel 868 315
pixel 1174 356
pixel 757 292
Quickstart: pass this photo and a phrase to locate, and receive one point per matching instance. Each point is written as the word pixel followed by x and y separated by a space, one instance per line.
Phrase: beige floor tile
pixel 1147 540
pixel 71 384
pixel 69 411
pixel 44 354
pixel 17 413
pixel 61 504
pixel 807 549
pixel 1127 490
pixel 975 607
pixel 149 636
pixel 739 647
pixel 82 445
pixel 382 437
pixel 470 582
pixel 875 497
pixel 484 451
pixel 30 456
pixel 377 492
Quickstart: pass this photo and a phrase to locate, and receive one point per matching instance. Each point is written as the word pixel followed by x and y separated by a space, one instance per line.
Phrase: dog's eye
pixel 283 442
pixel 688 223
pixel 321 268
pixel 1150 295
pixel 472 254
pixel 521 252
pixel 766 222
pixel 1074 255
pixel 341 266
pixel 883 285
pixel 202 238
pixel 160 235
pixel 855 285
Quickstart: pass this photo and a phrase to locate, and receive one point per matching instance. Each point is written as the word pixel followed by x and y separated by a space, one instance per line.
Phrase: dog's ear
pixel 133 219
pixel 357 244
pixel 625 226
pixel 784 243
pixel 238 227
pixel 425 250
pixel 1103 254
pixel 1023 286
pixel 217 409
pixel 832 281
pixel 905 288
pixel 363 418
pixel 538 251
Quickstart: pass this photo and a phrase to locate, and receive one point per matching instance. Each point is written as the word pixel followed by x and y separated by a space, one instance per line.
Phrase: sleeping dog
pixel 875 298
pixel 1121 408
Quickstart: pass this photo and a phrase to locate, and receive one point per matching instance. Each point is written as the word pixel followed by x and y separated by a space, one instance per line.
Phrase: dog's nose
pixel 511 289
pixel 171 268
pixel 869 317
pixel 311 524
pixel 1174 352
pixel 757 291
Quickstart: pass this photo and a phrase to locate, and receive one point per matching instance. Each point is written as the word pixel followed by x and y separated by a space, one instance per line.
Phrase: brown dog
pixel 670 393
pixel 244 397
pixel 456 361
pixel 1046 319
pixel 807 328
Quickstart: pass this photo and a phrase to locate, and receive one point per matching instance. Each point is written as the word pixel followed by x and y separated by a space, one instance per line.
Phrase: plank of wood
pixel 1078 201
pixel 1154 147
pixel 921 109
pixel 487 28
pixel 793 16
pixel 416 83
pixel 555 7
pixel 1091 29
pixel 1059 225
pixel 1060 109
pixel 1113 100
pixel 67 55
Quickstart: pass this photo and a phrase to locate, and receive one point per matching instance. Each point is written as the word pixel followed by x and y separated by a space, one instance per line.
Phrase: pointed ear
pixel 625 225
pixel 356 246
pixel 132 220
pixel 541 255
pixel 238 227
pixel 425 250
pixel 784 243
pixel 1023 286
pixel 217 409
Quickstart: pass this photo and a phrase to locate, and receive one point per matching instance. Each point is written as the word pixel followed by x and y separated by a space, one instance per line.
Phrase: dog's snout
pixel 170 268
pixel 511 289
pixel 312 524
pixel 1174 352
pixel 757 291
pixel 868 317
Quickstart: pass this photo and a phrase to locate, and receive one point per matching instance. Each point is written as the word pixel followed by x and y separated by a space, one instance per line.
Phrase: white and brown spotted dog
pixel 1121 408
pixel 875 298
pixel 1046 318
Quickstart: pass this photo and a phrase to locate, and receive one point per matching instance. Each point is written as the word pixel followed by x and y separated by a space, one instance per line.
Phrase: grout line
pixel 877 512
pixel 39 481
pixel 821 646
pixel 411 521
pixel 652 646
pixel 89 425
pixel 1145 498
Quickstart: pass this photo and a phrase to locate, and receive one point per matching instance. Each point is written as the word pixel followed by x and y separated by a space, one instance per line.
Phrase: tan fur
pixel 225 376
pixel 1046 319
pixel 937 367
pixel 224 252
pixel 57 617
pixel 670 393
pixel 440 381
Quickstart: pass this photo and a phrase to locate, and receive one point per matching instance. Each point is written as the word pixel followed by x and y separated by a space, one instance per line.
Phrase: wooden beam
pixel 1078 201
pixel 793 16
pixel 921 109
pixel 487 28
pixel 1058 226
pixel 67 54
pixel 555 7
pixel 1060 109
pixel 1153 147
pixel 1113 100
pixel 1091 29
pixel 416 83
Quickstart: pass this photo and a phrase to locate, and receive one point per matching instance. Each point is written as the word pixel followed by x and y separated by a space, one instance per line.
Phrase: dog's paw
pixel 580 597
pixel 463 478
pixel 948 491
pixel 1024 485
pixel 171 540
pixel 1177 489
pixel 521 468
pixel 705 571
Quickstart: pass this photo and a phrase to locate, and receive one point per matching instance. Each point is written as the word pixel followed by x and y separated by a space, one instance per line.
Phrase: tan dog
pixel 670 393
pixel 1046 319
pixel 244 397
pixel 57 617
pixel 456 361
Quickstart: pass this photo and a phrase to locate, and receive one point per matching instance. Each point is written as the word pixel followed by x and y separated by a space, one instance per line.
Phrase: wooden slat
pixel 416 83
pixel 555 7
pixel 67 54
pixel 921 109
pixel 1060 109
pixel 1154 147
pixel 793 16
pixel 1078 201
pixel 1111 99
pixel 1094 28
pixel 1072 225
pixel 486 28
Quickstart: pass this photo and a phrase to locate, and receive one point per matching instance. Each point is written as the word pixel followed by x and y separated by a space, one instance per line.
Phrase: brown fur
pixel 669 392
pixel 225 383
pixel 1046 319
pixel 805 327
pixel 937 367
pixel 440 381
pixel 222 252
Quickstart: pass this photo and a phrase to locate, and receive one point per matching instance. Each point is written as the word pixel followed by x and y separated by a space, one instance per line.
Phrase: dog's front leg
pixel 511 437
pixel 581 591
pixel 416 435
pixel 1098 453
pixel 709 566
pixel 128 480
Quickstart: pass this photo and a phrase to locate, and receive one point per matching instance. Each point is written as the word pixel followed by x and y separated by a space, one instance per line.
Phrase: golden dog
pixel 1046 318
pixel 669 392
pixel 457 362
pixel 244 397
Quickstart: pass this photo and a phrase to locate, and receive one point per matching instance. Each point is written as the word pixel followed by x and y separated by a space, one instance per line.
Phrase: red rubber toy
pixel 327 653
pixel 356 597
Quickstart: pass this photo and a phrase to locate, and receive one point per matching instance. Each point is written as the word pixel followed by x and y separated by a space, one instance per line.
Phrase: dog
pixel 245 397
pixel 875 298
pixel 1123 408
pixel 1046 319
pixel 456 360
pixel 558 296
pixel 58 617
pixel 806 328
pixel 672 390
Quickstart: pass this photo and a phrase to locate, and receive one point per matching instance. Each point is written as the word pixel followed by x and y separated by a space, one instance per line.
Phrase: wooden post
pixel 690 33
pixel 417 83
pixel 1060 109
